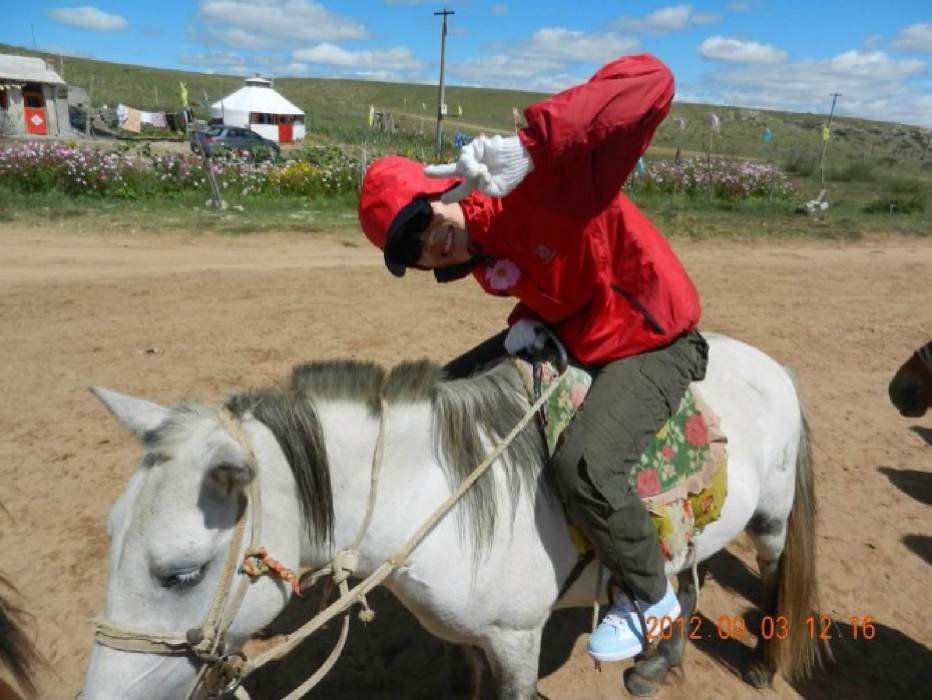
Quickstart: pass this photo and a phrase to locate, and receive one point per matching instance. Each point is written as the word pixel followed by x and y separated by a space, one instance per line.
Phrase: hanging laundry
pixel 132 120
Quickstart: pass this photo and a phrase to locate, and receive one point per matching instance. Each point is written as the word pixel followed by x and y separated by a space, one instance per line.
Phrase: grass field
pixel 883 166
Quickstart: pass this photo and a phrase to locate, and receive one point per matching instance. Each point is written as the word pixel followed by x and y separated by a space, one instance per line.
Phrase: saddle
pixel 682 474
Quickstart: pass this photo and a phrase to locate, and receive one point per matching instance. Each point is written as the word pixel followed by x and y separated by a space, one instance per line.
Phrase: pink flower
pixel 502 275
pixel 697 433
pixel 577 394
pixel 648 484
pixel 667 452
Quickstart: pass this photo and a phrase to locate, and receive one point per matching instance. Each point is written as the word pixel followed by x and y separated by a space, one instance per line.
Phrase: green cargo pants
pixel 630 399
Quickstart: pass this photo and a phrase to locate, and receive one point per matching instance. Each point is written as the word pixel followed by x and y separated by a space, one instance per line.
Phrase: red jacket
pixel 575 251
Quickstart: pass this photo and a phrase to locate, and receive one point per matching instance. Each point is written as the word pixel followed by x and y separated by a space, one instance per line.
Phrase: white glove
pixel 494 166
pixel 525 335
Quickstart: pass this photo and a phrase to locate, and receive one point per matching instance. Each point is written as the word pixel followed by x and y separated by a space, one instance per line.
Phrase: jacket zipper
pixel 640 307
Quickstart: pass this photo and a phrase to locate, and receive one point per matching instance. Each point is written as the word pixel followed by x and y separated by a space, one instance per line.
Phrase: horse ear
pixel 231 476
pixel 138 416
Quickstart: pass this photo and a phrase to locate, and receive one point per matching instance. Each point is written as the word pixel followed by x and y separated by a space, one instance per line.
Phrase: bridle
pixel 223 673
pixel 219 672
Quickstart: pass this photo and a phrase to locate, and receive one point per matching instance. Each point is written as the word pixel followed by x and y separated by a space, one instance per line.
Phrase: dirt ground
pixel 177 316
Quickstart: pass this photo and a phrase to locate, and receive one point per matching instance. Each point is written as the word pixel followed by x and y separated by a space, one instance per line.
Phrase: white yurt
pixel 258 107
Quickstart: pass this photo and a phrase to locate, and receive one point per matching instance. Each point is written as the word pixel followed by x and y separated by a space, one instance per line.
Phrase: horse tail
pixel 17 651
pixel 799 652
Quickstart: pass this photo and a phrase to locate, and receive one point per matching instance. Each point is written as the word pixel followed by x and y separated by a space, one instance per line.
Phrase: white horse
pixel 488 575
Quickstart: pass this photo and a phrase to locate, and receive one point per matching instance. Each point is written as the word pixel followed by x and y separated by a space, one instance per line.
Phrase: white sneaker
pixel 620 636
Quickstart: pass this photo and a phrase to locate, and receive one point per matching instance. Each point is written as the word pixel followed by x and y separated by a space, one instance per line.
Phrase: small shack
pixel 259 107
pixel 33 98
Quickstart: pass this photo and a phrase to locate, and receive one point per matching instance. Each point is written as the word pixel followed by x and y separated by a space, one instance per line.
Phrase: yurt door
pixel 34 109
pixel 284 130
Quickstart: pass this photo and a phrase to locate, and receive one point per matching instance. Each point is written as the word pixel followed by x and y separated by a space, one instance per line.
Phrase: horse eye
pixel 184 579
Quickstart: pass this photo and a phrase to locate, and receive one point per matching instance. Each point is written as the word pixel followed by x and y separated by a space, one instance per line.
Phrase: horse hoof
pixel 758 675
pixel 640 686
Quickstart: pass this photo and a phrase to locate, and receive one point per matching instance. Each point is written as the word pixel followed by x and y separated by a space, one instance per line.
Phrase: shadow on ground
pixel 924 433
pixel 393 657
pixel 912 482
pixel 889 664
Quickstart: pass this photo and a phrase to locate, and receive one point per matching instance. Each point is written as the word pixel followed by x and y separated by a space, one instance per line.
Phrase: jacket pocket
pixel 648 316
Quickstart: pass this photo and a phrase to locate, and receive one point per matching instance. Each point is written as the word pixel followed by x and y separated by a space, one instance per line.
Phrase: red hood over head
pixel 389 184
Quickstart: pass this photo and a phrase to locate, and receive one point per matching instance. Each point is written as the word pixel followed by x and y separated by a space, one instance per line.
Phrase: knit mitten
pixel 494 166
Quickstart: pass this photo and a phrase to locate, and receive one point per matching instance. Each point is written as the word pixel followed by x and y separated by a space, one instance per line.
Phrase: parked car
pixel 219 139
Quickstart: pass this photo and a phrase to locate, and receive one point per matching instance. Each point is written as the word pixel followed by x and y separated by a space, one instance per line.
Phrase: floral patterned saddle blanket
pixel 682 475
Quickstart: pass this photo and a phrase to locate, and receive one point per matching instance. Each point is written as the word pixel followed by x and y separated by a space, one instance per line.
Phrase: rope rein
pixel 349 597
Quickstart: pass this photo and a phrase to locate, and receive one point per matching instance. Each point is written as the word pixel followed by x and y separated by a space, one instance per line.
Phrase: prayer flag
pixel 371 115
pixel 825 133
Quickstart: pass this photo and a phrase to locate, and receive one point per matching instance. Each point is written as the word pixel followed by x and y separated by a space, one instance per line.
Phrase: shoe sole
pixel 631 652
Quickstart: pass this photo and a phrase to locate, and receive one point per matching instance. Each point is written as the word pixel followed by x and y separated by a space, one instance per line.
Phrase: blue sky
pixel 780 54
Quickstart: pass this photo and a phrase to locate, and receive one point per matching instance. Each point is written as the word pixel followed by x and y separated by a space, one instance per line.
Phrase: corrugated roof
pixel 27 69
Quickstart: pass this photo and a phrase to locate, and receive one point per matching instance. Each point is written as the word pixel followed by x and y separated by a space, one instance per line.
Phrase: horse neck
pixel 410 481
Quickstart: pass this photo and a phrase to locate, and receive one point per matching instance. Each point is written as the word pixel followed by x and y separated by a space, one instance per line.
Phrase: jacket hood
pixel 390 183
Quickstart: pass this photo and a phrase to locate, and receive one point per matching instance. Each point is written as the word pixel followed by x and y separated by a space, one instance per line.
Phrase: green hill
pixel 337 111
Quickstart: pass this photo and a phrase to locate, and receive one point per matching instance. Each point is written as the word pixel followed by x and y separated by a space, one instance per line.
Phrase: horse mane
pixel 17 651
pixel 469 416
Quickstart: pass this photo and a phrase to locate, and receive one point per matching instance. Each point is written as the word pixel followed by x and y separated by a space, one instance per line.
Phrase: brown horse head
pixel 911 387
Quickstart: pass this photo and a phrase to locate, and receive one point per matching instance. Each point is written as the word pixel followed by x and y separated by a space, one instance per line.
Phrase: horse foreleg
pixel 650 670
pixel 513 656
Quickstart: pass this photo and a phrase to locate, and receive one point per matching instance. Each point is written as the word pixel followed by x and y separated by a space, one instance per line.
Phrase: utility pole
pixel 827 133
pixel 441 106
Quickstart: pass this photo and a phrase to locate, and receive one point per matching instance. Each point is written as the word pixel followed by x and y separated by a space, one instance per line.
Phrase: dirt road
pixel 178 316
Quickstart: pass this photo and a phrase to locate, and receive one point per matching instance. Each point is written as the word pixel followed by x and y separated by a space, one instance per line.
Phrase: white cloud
pixel 87 17
pixel 237 38
pixel 499 10
pixel 915 37
pixel 872 85
pixel 394 59
pixel 667 19
pixel 740 51
pixel 579 47
pixel 872 65
pixel 542 62
pixel 293 68
pixel 245 24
